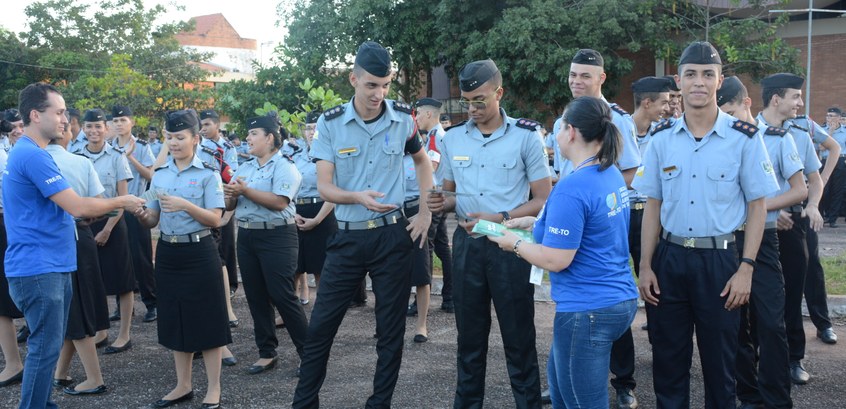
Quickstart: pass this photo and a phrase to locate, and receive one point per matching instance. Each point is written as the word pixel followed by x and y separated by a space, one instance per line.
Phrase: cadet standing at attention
pixel 704 174
pixel 493 162
pixel 359 146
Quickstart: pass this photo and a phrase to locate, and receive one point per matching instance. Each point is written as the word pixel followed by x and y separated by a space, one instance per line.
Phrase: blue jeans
pixel 44 300
pixel 581 350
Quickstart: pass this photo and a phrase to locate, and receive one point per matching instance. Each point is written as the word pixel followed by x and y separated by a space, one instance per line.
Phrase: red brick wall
pixel 219 34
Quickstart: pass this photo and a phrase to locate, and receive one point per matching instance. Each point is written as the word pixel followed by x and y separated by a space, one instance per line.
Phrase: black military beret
pixel 120 110
pixel 428 102
pixel 266 122
pixel 672 83
pixel 651 84
pixel 700 52
pixel 835 110
pixel 12 115
pixel 94 115
pixel 730 88
pixel 181 120
pixel 208 113
pixel 445 117
pixel 782 80
pixel 586 56
pixel 373 58
pixel 109 117
pixel 311 117
pixel 476 73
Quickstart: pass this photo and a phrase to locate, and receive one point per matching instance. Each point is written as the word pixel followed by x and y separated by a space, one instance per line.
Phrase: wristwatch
pixel 505 216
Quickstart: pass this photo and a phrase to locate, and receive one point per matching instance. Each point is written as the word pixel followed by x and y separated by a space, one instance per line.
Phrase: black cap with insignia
pixel 266 122
pixel 121 110
pixel 428 102
pixel 373 58
pixel 12 115
pixel 782 80
pixel 651 84
pixel 700 52
pixel 730 88
pixel 672 81
pixel 208 113
pixel 182 120
pixel 445 117
pixel 835 110
pixel 586 56
pixel 94 115
pixel 311 117
pixel 476 73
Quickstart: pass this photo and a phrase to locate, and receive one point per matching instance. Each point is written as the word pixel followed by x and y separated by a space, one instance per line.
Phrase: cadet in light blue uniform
pixel 703 181
pixel 835 189
pixel 262 194
pixel 154 140
pixel 111 234
pixel 359 147
pixel 191 297
pixel 493 162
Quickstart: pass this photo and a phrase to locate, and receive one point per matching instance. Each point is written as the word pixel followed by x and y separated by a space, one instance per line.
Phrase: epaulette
pixel 456 125
pixel 663 125
pixel 616 108
pixel 119 149
pixel 745 128
pixel 774 130
pixel 801 128
pixel 289 157
pixel 228 145
pixel 799 117
pixel 207 166
pixel 403 107
pixel 208 150
pixel 141 141
pixel 528 124
pixel 333 113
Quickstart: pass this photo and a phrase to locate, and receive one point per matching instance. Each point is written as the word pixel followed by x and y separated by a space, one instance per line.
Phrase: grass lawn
pixel 835 274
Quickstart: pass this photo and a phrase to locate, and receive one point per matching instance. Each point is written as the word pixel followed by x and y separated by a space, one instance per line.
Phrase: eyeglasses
pixel 477 103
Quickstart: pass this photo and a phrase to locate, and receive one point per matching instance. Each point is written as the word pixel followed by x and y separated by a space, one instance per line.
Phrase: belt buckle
pixel 174 239
pixel 689 242
pixel 371 224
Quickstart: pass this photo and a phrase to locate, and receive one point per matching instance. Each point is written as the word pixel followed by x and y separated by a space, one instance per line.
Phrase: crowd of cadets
pixel 734 195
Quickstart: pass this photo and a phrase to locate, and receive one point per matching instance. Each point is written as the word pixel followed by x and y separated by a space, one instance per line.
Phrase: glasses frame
pixel 477 103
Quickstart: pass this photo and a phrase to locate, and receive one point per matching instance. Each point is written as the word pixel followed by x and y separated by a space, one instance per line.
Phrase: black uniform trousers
pixel 483 272
pixel 762 360
pixel 815 294
pixel 268 261
pixel 228 254
pixel 834 190
pixel 794 252
pixel 439 243
pixel 141 249
pixel 691 281
pixel 386 253
pixel 623 351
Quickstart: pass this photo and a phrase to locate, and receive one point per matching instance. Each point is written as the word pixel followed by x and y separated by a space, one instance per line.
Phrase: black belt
pixel 720 242
pixel 244 224
pixel 638 206
pixel 411 204
pixel 795 209
pixel 309 200
pixel 393 217
pixel 185 238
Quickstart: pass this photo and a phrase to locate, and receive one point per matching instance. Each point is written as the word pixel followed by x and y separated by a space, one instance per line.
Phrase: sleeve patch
pixel 745 128
pixel 528 124
pixel 335 112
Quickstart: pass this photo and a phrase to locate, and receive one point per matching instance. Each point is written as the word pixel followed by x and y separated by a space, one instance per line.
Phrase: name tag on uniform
pixel 460 158
pixel 669 169
pixel 347 150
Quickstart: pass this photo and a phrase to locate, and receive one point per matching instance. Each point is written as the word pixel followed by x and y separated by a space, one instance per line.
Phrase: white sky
pixel 254 19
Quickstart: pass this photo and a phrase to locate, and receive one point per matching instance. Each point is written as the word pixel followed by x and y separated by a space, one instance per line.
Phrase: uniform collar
pixel 196 162
pixel 502 130
pixel 351 115
pixel 116 142
pixel 721 126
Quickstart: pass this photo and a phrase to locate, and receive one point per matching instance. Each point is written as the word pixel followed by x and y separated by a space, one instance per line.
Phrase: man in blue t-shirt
pixel 41 251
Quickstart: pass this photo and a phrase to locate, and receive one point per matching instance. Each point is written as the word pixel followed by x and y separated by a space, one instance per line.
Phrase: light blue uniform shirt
pixel 493 174
pixel 784 156
pixel 78 143
pixel 3 158
pixel 278 176
pixel 5 145
pixel 78 171
pixel 229 154
pixel 156 147
pixel 839 135
pixel 111 167
pixel 143 154
pixel 308 171
pixel 366 156
pixel 196 183
pixel 434 139
pixel 704 186
pixel 805 144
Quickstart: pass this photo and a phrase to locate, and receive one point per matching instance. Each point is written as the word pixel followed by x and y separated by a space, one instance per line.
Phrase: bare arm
pixel 739 286
pixel 91 207
pixel 650 230
pixel 833 155
pixel 547 258
pixel 797 193
pixel 628 176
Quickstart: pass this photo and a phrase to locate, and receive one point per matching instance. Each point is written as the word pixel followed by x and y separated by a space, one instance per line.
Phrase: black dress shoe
pixel 233 324
pixel 545 398
pixel 93 391
pixel 827 335
pixel 448 306
pixel 23 334
pixel 61 383
pixel 645 326
pixel 115 316
pixel 210 405
pixel 102 343
pixel 257 369
pixel 231 361
pixel 164 403
pixel 798 374
pixel 420 338
pixel 151 315
pixel 13 380
pixel 116 350
pixel 626 399
pixel 412 310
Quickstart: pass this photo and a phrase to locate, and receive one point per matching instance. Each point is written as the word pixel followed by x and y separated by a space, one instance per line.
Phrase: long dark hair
pixel 592 117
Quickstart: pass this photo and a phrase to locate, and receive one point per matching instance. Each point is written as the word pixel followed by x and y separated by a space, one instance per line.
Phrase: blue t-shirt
pixel 589 211
pixel 40 233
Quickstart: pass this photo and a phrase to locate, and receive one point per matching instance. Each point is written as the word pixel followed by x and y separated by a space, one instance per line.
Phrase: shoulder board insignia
pixel 456 125
pixel 528 124
pixel 335 112
pixel 117 148
pixel 745 128
pixel 228 145
pixel 795 125
pixel 403 107
pixel 207 166
pixel 663 125
pixel 616 108
pixel 289 157
pixel 208 150
pixel 141 141
pixel 774 130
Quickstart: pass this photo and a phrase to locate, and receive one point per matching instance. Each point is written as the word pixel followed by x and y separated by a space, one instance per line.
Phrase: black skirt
pixel 7 306
pixel 89 310
pixel 115 259
pixel 191 299
pixel 312 251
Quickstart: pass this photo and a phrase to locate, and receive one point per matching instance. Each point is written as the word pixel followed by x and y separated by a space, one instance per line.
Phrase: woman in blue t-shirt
pixel 582 239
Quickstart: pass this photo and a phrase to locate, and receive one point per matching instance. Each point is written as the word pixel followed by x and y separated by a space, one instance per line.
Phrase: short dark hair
pixel 34 97
pixel 640 96
pixel 767 94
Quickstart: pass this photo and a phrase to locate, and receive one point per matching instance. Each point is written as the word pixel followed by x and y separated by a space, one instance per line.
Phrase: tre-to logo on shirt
pixel 53 179
pixel 558 231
